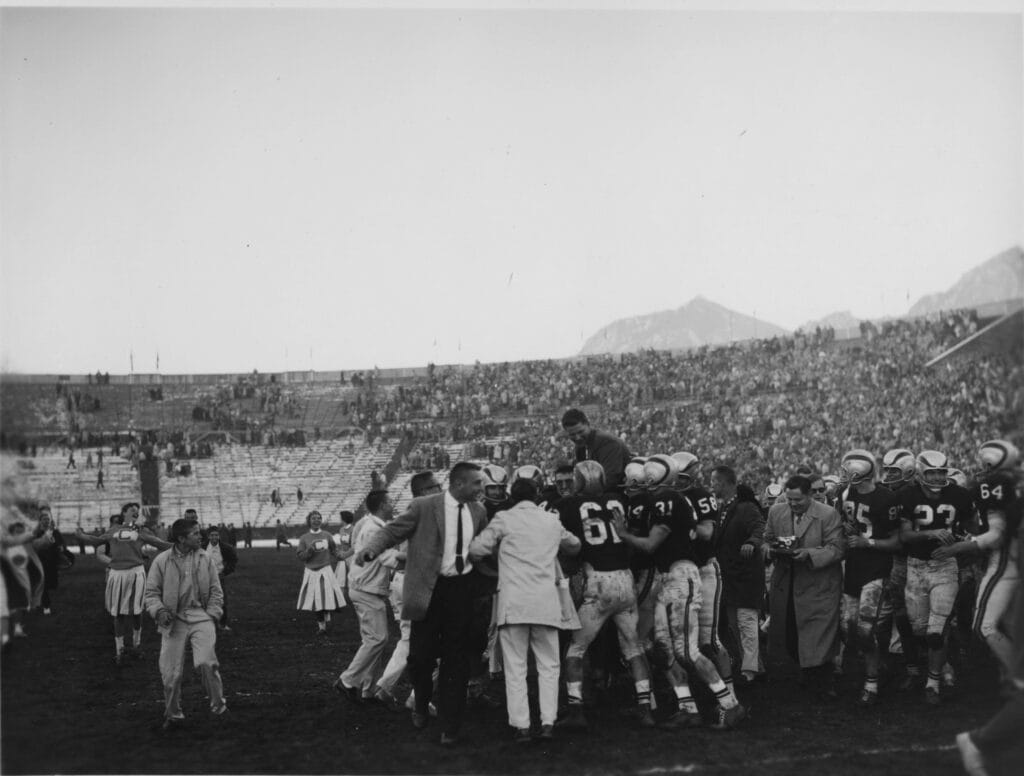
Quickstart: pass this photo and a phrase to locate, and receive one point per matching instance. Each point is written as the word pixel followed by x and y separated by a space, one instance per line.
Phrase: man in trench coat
pixel 805 594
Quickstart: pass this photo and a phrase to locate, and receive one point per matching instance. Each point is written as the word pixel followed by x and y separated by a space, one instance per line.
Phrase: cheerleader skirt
pixel 320 591
pixel 125 590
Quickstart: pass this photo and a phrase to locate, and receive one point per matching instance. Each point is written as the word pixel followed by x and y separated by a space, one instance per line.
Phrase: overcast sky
pixel 330 188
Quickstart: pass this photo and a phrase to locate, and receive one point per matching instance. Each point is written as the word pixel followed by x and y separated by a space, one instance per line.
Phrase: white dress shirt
pixel 451 535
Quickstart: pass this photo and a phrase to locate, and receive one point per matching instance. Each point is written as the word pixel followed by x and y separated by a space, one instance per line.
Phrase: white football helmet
pixel 856 467
pixel 529 472
pixel 771 494
pixel 932 470
pixel 588 478
pixel 957 477
pixel 495 482
pixel 689 467
pixel 898 466
pixel 996 454
pixel 661 471
pixel 636 479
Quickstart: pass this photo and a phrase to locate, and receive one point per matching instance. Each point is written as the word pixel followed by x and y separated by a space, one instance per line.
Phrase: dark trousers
pixel 445 634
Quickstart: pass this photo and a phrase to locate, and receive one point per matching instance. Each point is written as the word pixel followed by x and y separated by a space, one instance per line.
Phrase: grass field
pixel 67 709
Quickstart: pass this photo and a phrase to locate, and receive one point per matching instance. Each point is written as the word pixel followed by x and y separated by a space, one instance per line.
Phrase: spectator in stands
pixel 225 559
pixel 594 445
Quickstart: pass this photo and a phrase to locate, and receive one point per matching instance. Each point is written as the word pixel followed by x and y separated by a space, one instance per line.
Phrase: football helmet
pixel 588 478
pixel 898 466
pixel 932 470
pixel 957 477
pixel 636 478
pixel 997 454
pixel 689 467
pixel 495 482
pixel 856 467
pixel 772 493
pixel 529 472
pixel 661 471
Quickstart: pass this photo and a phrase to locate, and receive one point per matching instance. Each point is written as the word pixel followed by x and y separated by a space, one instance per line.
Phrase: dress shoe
pixel 547 732
pixel 522 736
pixel 352 693
pixel 419 720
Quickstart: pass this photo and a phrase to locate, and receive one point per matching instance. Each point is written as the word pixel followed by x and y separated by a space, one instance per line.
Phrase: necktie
pixel 460 564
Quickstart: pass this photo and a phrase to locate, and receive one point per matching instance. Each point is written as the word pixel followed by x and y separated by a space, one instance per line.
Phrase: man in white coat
pixel 528 612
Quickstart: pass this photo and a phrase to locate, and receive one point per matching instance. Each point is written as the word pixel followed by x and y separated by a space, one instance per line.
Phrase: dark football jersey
pixel 494 507
pixel 997 492
pixel 705 507
pixel 675 513
pixel 549 498
pixel 952 509
pixel 874 515
pixel 591 519
pixel 638 518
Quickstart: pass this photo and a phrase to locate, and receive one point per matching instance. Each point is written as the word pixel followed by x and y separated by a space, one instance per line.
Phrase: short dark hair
pixel 347 516
pixel 213 529
pixel 419 481
pixel 191 511
pixel 129 505
pixel 374 500
pixel 572 417
pixel 799 482
pixel 523 490
pixel 727 473
pixel 461 470
pixel 565 468
pixel 118 518
pixel 181 527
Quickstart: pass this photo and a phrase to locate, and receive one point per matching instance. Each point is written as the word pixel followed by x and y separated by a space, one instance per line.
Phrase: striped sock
pixel 118 645
pixel 575 692
pixel 725 698
pixel 685 700
pixel 137 637
pixel 933 681
pixel 643 692
pixel 871 684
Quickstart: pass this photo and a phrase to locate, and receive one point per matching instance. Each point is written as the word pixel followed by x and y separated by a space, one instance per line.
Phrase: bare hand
pixel 856 542
pixel 746 551
pixel 801 554
pixel 941 553
pixel 364 557
pixel 164 618
pixel 944 535
pixel 619 523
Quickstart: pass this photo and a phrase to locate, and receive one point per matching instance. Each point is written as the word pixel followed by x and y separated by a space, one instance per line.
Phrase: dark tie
pixel 460 564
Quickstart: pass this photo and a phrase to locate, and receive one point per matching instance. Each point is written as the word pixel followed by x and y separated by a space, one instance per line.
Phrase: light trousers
pixel 202 636
pixel 744 626
pixel 366 665
pixel 396 665
pixel 517 641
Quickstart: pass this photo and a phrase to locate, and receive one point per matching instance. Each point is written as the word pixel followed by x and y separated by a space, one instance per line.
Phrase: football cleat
pixel 529 472
pixel 495 482
pixel 682 720
pixel 689 467
pixel 661 471
pixel 997 454
pixel 898 466
pixel 868 698
pixel 574 719
pixel 636 480
pixel 856 467
pixel 588 478
pixel 727 719
pixel 932 697
pixel 932 470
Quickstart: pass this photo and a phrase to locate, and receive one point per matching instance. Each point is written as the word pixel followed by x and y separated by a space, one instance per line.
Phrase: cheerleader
pixel 320 592
pixel 126 578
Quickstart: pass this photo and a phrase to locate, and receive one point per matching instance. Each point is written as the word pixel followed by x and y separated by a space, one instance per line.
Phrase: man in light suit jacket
pixel 528 614
pixel 440 583
pixel 807 581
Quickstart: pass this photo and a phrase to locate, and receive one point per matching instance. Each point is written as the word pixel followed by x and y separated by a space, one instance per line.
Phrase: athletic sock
pixel 643 692
pixel 685 700
pixel 118 645
pixel 933 681
pixel 575 692
pixel 137 637
pixel 871 684
pixel 725 698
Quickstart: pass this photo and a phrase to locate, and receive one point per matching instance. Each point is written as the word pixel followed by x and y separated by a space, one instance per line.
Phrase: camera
pixel 782 546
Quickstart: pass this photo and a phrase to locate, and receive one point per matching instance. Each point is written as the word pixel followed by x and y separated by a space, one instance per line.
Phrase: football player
pixel 672 541
pixel 705 508
pixel 898 470
pixel 495 489
pixel 560 488
pixel 589 514
pixel 871 520
pixel 999 508
pixel 934 514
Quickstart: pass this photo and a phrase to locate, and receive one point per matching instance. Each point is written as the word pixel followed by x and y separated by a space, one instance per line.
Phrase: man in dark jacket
pixel 594 445
pixel 742 564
